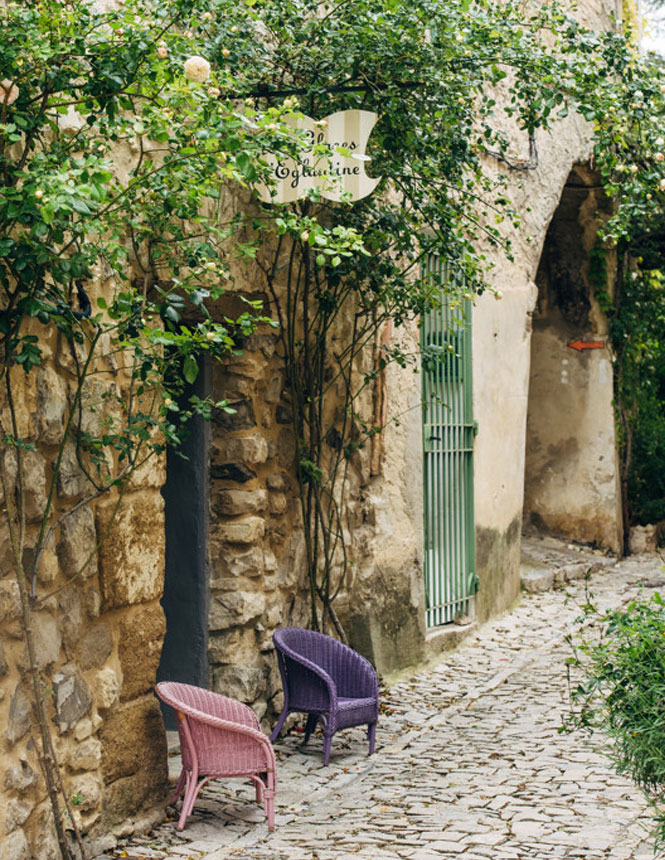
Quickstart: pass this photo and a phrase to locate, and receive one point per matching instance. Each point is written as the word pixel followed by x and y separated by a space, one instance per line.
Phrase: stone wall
pixel 256 553
pixel 98 629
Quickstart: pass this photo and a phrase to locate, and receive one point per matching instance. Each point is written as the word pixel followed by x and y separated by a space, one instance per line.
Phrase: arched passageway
pixel 571 473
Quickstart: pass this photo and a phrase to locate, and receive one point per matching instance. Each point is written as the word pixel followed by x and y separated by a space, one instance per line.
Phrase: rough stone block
pixel 83 729
pixel 34 482
pixel 249 562
pixel 644 538
pixel 279 481
pixel 232 646
pixel 17 813
pixel 15 847
pixel 95 646
pixel 70 612
pixel 10 601
pixel 278 503
pixel 233 609
pixel 139 648
pixel 93 602
pixel 49 567
pixel 87 789
pixel 273 390
pixel 235 502
pixel 107 688
pixel 128 795
pixel 132 557
pixel 249 449
pixel 77 541
pixel 237 472
pixel 20 714
pixel 536 579
pixel 134 741
pixel 47 641
pixel 45 842
pixel 246 530
pixel 244 683
pixel 243 418
pixel 20 778
pixel 71 480
pixel 86 755
pixel 51 405
pixel 73 698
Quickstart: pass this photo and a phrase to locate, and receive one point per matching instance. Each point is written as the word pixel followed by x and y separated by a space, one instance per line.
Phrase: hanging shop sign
pixel 336 175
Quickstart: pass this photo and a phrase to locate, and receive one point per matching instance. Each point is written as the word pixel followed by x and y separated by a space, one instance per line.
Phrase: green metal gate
pixel 448 435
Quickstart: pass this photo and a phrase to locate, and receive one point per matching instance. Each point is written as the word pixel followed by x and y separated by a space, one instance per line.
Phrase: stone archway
pixel 571 474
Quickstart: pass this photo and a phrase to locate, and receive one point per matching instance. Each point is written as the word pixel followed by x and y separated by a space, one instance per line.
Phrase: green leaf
pixel 190 369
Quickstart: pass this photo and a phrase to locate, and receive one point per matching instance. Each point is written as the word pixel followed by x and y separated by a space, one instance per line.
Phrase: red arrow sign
pixel 579 345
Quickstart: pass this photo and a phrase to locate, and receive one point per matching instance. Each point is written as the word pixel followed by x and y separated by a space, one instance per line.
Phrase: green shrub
pixel 622 693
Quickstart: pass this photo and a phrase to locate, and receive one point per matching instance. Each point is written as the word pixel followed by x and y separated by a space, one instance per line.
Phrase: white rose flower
pixel 661 185
pixel 197 69
pixel 659 156
pixel 162 52
pixel 8 92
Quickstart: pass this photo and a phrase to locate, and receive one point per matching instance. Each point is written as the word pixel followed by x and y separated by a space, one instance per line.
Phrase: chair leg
pixel 327 741
pixel 280 723
pixel 258 785
pixel 312 720
pixel 371 734
pixel 177 791
pixel 270 807
pixel 191 790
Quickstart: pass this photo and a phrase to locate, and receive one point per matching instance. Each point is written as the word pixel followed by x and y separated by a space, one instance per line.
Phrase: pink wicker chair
pixel 218 737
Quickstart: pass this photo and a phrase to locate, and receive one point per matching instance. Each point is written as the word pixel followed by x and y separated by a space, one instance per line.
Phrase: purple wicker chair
pixel 328 681
pixel 218 737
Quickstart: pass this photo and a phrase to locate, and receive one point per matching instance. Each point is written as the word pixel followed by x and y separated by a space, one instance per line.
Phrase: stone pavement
pixel 469 762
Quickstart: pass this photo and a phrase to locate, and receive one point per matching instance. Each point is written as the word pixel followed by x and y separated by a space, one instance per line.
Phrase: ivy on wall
pixel 119 130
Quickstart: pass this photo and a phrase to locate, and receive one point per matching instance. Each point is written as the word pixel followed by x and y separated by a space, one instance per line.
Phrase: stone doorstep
pixel 447 638
pixel 547 562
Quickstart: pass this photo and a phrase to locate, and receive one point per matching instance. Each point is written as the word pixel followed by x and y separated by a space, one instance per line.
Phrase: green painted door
pixel 448 437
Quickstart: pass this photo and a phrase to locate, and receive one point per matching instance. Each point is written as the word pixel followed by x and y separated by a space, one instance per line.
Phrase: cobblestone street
pixel 469 762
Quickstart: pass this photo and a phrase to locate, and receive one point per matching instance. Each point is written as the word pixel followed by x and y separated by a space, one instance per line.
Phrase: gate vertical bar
pixel 448 434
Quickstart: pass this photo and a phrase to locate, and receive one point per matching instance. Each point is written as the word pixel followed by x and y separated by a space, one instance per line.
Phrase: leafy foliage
pixel 637 331
pixel 121 132
pixel 622 692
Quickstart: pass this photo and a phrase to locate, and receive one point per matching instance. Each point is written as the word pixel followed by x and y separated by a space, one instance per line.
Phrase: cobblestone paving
pixel 469 763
